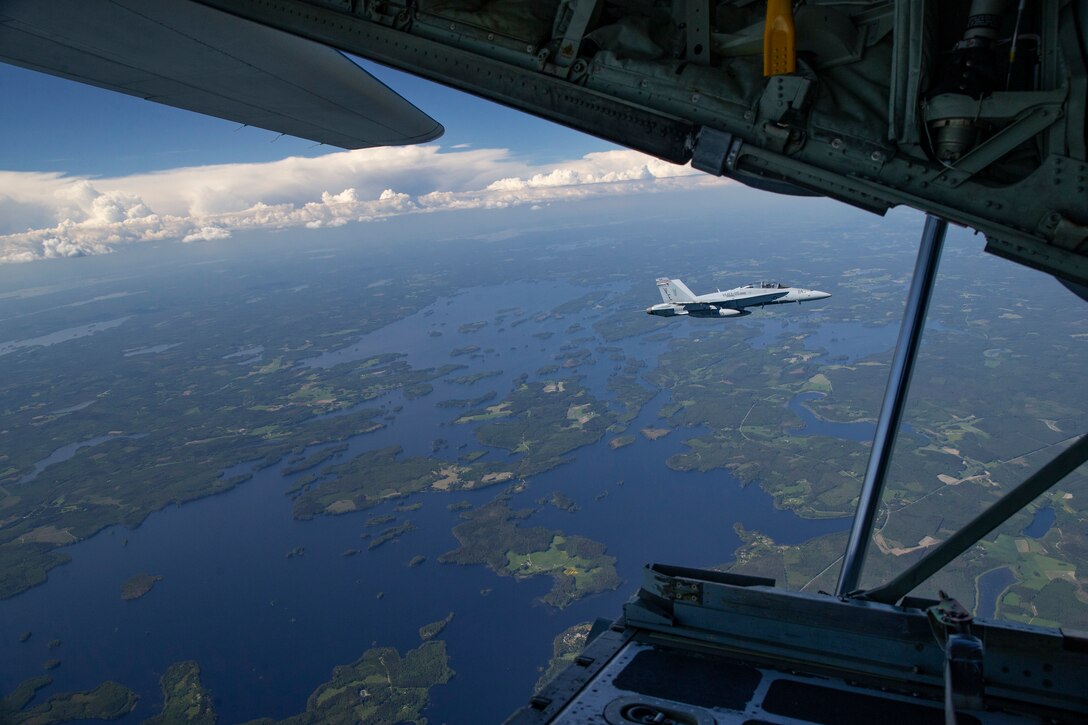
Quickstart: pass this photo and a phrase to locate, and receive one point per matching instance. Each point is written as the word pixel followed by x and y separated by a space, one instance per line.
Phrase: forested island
pixel 381 687
pixel 491 535
pixel 138 585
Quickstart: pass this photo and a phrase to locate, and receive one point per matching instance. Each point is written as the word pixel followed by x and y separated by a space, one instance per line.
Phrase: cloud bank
pixel 48 215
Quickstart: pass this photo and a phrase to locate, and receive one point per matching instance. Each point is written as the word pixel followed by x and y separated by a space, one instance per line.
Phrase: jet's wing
pixel 195 57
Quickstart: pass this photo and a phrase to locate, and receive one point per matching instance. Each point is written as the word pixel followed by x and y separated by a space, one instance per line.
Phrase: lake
pixel 1041 522
pixel 66 452
pixel 991 586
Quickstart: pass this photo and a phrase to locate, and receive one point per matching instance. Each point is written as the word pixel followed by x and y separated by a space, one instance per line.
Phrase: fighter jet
pixel 679 300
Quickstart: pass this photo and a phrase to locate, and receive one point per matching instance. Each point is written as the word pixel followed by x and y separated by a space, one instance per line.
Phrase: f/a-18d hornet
pixel 679 300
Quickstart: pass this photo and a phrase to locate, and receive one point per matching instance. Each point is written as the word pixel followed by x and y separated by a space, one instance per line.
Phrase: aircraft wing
pixel 977 116
pixel 195 57
pixel 972 111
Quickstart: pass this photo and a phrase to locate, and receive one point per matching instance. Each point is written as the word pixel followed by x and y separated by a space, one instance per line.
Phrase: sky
pixel 86 171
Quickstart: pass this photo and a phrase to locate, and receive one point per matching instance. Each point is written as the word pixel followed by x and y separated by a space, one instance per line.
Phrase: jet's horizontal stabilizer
pixel 200 59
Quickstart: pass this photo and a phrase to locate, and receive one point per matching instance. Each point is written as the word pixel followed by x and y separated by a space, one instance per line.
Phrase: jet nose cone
pixel 818 295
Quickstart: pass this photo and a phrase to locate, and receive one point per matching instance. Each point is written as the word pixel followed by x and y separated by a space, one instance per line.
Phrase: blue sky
pixel 87 171
pixel 61 125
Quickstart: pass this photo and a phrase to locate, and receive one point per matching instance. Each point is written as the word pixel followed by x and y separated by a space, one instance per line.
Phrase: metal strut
pixel 1039 482
pixel 895 398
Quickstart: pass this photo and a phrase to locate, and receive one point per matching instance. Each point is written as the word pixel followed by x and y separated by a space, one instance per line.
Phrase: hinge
pixel 964 680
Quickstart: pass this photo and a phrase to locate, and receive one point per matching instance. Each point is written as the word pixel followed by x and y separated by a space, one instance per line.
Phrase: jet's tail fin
pixel 674 291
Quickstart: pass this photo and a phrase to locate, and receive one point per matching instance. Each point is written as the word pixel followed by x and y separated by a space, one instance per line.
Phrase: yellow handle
pixel 779 39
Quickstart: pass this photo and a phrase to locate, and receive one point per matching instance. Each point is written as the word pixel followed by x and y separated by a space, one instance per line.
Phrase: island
pixel 314 460
pixel 491 536
pixel 185 700
pixel 419 390
pixel 21 696
pixel 391 534
pixel 544 421
pixel 364 482
pixel 108 701
pixel 567 645
pixel 381 687
pixel 563 502
pixel 138 585
pixel 468 402
pixel 476 377
pixel 432 630
pixel 382 475
pixel 472 326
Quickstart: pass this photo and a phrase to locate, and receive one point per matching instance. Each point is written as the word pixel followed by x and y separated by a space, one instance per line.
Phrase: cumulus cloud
pixel 596 168
pixel 49 215
pixel 206 234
